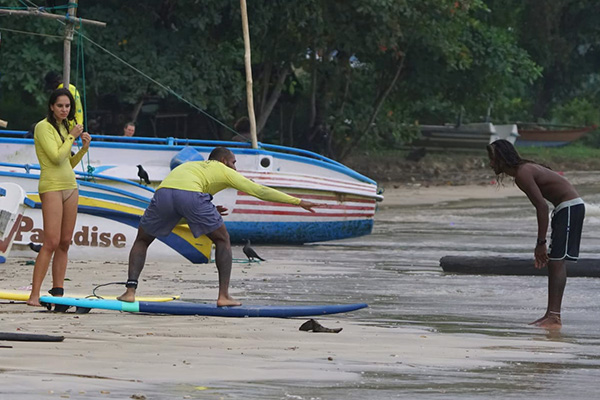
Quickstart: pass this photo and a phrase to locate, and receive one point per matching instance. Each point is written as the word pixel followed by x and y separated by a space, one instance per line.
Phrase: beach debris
pixel 250 253
pixel 312 325
pixel 138 396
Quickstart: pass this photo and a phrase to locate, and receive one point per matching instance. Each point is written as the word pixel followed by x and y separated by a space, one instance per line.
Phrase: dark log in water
pixel 29 337
pixel 514 266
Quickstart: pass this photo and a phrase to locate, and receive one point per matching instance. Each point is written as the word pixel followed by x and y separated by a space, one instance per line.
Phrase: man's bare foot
pixel 227 302
pixel 550 322
pixel 537 321
pixel 553 322
pixel 128 296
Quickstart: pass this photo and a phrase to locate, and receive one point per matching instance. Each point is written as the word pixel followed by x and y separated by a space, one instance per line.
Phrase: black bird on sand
pixel 143 175
pixel 35 247
pixel 250 253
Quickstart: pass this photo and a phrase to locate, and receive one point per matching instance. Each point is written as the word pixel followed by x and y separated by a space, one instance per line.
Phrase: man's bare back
pixel 553 187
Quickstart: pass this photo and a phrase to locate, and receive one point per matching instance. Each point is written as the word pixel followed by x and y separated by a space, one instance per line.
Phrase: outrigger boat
pixel 109 184
pixel 106 224
pixel 534 135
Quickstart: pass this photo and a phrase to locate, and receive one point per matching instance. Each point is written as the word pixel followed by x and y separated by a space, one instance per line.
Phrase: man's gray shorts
pixel 169 206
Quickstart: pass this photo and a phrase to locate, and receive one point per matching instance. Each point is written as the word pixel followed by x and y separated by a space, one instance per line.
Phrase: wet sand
pixel 107 354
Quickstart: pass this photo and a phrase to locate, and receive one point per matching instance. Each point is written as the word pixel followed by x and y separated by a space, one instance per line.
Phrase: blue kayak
pixel 183 308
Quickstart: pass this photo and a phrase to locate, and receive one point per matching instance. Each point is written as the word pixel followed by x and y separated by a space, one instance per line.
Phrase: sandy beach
pixel 108 354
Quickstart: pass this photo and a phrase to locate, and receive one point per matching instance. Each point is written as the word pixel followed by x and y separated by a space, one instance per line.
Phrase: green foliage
pixel 332 76
pixel 572 152
pixel 577 111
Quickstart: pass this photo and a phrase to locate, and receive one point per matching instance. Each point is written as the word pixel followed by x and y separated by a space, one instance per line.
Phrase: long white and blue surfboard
pixel 183 308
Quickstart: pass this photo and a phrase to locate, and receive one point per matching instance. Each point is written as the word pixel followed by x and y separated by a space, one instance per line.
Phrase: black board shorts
pixel 567 224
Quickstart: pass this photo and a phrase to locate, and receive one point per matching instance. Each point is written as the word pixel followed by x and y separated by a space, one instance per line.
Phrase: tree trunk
pixel 378 103
pixel 313 90
pixel 273 98
pixel 136 109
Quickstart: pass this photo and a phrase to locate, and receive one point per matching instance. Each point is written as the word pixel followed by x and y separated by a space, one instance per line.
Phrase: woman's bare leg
pixel 59 263
pixel 52 210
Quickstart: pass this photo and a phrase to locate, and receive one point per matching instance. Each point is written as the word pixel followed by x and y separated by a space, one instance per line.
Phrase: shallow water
pixel 396 271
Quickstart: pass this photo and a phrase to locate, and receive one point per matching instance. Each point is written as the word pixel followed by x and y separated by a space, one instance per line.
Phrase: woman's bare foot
pixel 227 302
pixel 34 301
pixel 128 296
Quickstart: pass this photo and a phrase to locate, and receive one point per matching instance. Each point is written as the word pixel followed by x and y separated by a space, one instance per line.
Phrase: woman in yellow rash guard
pixel 58 189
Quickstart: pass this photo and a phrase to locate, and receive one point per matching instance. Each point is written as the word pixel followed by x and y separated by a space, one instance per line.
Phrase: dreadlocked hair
pixel 503 151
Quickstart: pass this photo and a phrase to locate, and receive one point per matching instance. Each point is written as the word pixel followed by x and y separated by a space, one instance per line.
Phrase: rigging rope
pixel 40 8
pixel 168 89
pixel 32 33
pixel 164 87
pixel 80 57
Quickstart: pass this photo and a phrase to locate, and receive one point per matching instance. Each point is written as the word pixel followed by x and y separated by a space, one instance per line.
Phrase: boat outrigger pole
pixel 248 65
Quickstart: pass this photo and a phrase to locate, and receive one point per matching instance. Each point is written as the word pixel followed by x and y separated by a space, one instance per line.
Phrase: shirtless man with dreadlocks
pixel 541 184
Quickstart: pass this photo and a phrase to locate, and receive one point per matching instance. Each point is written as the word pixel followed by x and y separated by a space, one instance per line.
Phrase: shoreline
pixel 397 194
pixel 109 354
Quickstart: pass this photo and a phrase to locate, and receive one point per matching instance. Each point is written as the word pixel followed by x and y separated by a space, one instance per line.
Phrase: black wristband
pixel 540 242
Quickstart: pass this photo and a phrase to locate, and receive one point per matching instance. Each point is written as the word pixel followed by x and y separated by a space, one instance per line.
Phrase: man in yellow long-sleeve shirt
pixel 187 192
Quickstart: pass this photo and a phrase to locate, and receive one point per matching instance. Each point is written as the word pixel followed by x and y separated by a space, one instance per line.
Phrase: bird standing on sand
pixel 143 175
pixel 250 253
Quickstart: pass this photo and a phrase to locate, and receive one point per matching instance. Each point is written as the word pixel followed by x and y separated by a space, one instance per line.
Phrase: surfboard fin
pixel 61 308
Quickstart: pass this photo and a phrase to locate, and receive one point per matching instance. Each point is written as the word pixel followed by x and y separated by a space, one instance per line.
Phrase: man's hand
pixel 541 256
pixel 308 206
pixel 222 210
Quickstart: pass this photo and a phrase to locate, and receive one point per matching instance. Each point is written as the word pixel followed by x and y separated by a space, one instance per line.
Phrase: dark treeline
pixel 332 76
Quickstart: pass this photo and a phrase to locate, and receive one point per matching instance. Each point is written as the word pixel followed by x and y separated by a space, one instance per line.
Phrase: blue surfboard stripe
pixel 182 308
pixel 291 232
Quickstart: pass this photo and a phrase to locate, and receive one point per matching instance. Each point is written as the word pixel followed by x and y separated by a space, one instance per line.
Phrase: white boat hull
pixel 349 199
pixel 12 207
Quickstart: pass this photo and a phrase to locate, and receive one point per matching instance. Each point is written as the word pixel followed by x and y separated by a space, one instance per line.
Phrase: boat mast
pixel 69 29
pixel 248 65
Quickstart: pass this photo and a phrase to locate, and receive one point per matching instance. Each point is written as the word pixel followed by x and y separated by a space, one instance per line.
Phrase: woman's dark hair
pixel 52 100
